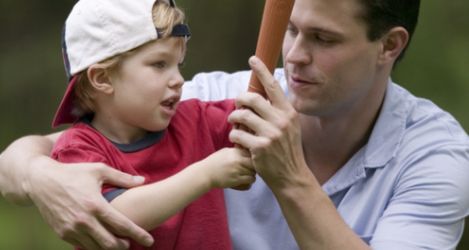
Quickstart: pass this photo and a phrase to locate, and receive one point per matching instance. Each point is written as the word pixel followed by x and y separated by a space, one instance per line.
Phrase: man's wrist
pixel 19 163
pixel 298 188
pixel 11 180
pixel 39 166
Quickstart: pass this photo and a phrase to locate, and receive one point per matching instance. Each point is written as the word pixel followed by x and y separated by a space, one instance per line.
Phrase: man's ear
pixel 99 79
pixel 393 43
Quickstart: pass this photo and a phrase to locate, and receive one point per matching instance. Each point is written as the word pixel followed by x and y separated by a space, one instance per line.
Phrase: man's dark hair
pixel 382 15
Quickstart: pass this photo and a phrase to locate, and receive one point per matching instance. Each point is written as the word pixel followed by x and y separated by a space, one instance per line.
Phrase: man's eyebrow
pixel 323 31
pixel 318 30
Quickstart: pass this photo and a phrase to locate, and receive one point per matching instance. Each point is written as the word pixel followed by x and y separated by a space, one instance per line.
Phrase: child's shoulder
pixel 79 134
pixel 196 115
pixel 196 105
pixel 78 130
pixel 81 143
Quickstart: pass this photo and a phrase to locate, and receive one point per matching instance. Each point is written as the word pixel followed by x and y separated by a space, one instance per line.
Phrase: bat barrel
pixel 269 44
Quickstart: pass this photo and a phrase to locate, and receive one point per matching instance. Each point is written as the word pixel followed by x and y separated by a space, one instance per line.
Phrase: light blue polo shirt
pixel 407 188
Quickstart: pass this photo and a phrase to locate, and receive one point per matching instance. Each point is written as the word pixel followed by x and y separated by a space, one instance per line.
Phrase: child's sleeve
pixel 216 114
pixel 81 153
pixel 76 153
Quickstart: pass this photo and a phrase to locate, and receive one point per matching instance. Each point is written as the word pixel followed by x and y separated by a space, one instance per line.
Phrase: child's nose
pixel 177 81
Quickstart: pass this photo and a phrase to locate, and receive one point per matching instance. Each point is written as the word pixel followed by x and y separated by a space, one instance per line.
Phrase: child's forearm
pixel 150 205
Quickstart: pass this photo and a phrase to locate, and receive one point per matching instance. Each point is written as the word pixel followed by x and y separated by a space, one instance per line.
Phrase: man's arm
pixel 276 149
pixel 15 162
pixel 68 196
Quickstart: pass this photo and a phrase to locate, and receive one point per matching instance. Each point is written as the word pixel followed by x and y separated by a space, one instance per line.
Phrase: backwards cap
pixel 96 30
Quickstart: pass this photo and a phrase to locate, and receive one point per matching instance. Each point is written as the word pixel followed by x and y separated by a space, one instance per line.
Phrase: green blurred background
pixel 32 79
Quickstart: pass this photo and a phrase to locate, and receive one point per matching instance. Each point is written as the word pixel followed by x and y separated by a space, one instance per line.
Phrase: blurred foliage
pixel 32 78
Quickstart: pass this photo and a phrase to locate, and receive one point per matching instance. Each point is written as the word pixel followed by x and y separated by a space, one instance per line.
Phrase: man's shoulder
pixel 427 123
pixel 410 129
pixel 431 137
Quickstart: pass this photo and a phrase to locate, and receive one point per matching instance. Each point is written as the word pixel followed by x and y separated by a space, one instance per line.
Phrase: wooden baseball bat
pixel 269 44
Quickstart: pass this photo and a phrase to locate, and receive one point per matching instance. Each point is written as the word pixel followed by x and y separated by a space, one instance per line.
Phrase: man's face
pixel 331 66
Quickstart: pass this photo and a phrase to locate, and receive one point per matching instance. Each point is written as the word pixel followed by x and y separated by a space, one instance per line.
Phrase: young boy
pixel 123 58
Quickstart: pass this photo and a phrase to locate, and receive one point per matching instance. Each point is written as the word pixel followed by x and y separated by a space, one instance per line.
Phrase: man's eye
pixel 292 30
pixel 323 39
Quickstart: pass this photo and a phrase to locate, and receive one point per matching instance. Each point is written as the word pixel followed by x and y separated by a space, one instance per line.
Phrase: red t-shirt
pixel 197 130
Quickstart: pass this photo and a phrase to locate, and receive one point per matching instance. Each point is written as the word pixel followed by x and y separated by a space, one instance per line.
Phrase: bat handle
pixel 256 86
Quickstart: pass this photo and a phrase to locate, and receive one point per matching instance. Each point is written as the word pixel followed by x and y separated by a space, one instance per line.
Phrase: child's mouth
pixel 171 103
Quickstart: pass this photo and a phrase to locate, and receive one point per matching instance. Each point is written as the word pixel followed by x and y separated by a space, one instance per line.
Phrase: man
pixel 351 160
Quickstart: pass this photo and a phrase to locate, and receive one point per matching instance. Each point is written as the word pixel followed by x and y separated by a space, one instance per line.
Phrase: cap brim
pixel 64 113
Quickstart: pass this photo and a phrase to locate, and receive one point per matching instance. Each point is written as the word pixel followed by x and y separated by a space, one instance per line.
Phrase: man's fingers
pixel 117 178
pixel 74 243
pixel 272 87
pixel 256 125
pixel 256 103
pixel 247 140
pixel 91 234
pixel 83 241
pixel 106 240
pixel 123 226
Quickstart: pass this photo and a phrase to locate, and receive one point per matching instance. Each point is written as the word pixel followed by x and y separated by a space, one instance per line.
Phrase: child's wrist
pixel 202 172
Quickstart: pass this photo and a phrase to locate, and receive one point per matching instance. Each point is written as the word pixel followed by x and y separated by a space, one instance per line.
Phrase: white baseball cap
pixel 96 30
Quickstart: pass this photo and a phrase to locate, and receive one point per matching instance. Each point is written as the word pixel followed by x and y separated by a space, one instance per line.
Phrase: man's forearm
pixel 16 165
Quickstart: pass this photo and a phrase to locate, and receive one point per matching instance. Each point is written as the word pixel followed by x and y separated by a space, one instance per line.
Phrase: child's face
pixel 147 87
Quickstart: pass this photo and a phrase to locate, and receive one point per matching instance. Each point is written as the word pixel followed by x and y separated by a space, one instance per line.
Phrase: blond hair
pixel 165 17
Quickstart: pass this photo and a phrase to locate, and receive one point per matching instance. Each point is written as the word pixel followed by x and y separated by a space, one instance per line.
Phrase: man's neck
pixel 328 143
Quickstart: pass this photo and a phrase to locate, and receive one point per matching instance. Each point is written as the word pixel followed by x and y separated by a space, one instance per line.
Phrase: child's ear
pixel 393 43
pixel 100 79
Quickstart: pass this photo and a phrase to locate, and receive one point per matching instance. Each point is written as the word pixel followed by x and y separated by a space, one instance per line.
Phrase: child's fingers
pixel 245 182
pixel 247 179
pixel 242 187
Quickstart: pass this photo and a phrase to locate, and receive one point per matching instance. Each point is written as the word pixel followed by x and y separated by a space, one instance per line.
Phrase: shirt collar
pixel 389 129
pixel 382 145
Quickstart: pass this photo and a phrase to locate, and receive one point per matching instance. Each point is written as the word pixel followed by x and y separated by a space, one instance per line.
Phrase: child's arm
pixel 151 204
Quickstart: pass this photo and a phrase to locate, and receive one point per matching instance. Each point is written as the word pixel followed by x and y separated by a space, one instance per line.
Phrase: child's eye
pixel 160 64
